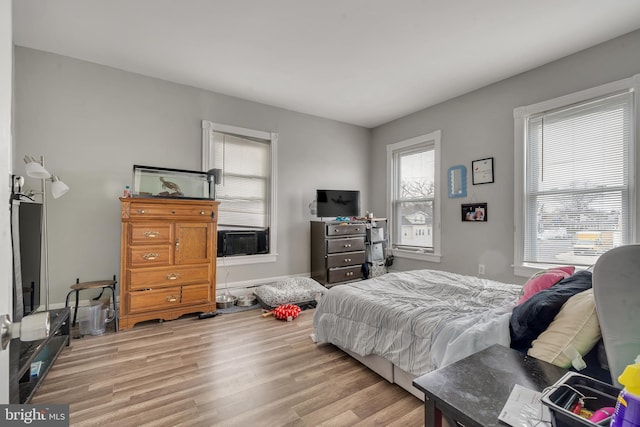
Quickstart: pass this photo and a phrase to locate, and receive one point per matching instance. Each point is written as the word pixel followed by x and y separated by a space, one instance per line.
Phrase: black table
pixel 473 391
pixel 22 386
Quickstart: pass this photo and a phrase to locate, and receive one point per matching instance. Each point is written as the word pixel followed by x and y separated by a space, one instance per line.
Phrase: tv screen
pixel 332 203
pixel 26 225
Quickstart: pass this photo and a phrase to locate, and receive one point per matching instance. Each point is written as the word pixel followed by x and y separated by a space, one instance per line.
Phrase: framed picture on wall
pixel 457 181
pixel 482 171
pixel 474 212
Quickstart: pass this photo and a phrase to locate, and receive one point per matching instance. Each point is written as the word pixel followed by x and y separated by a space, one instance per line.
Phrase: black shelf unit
pixel 22 385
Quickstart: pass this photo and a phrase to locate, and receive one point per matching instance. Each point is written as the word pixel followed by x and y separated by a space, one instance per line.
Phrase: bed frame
pixel 388 371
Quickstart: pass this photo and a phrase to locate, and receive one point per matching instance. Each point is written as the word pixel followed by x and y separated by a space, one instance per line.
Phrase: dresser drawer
pixel 345 259
pixel 349 244
pixel 345 229
pixel 196 294
pixel 142 211
pixel 168 276
pixel 150 256
pixel 150 233
pixel 154 299
pixel 344 273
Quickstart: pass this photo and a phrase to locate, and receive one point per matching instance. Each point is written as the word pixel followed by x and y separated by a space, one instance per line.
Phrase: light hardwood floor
pixel 236 369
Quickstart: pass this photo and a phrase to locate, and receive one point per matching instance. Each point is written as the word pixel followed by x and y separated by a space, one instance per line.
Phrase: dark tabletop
pixel 475 389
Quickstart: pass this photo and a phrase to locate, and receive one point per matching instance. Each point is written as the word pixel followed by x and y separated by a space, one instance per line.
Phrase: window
pixel 574 176
pixel 413 173
pixel 247 186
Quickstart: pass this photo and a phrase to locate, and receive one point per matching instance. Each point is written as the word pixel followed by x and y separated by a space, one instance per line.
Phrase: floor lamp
pixel 35 169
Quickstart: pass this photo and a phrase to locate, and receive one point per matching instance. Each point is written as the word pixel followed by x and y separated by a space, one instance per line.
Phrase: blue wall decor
pixel 457 181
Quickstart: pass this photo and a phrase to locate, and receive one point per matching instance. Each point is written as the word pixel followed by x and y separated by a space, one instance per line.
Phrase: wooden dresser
pixel 167 258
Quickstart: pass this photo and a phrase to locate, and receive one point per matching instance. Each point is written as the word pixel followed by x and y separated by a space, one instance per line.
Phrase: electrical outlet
pixel 480 269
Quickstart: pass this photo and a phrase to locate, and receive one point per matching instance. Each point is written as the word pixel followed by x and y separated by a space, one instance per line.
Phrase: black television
pixel 26 227
pixel 335 203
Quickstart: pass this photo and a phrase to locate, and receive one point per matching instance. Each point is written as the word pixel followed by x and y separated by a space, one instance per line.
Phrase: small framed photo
pixel 482 171
pixel 474 212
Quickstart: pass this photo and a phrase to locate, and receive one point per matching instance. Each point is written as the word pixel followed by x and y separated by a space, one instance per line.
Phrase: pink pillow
pixel 544 279
pixel 569 269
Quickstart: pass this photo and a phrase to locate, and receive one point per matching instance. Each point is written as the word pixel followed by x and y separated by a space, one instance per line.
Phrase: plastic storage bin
pixel 93 318
pixel 601 395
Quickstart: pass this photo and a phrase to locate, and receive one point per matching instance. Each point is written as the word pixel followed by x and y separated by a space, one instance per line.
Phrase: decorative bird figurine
pixel 170 186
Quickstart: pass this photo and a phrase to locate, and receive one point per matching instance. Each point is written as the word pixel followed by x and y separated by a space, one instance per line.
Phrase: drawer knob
pixel 141 211
pixel 177 243
pixel 347 245
pixel 349 273
pixel 173 276
pixel 347 260
pixel 150 256
pixel 151 233
pixel 171 298
pixel 203 213
pixel 173 212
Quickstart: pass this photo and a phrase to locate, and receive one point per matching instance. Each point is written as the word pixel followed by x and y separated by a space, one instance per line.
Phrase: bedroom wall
pixel 93 123
pixel 479 125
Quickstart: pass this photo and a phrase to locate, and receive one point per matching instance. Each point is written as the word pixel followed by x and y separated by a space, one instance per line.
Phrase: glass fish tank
pixel 149 181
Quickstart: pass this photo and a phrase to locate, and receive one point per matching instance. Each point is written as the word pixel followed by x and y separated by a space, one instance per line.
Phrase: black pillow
pixel 532 317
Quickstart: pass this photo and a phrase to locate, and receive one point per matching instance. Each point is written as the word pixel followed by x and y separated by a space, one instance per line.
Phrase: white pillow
pixel 575 325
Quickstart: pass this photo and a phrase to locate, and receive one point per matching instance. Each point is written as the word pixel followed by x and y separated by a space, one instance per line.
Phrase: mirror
pixel 457 181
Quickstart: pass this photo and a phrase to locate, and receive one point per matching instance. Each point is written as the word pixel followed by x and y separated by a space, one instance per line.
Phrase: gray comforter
pixel 419 320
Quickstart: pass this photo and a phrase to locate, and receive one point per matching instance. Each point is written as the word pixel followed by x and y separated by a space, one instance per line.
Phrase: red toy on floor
pixel 286 312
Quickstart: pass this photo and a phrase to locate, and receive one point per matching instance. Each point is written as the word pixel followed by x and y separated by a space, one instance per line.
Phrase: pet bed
pixel 301 291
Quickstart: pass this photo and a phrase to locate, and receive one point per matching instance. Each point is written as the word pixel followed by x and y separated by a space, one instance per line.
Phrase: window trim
pixel 272 137
pixel 521 114
pixel 415 142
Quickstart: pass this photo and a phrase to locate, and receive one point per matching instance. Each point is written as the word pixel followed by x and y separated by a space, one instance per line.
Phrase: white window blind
pixel 577 180
pixel 414 196
pixel 244 189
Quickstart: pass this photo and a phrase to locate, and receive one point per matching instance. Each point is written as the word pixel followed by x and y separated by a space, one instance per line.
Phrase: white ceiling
pixel 364 62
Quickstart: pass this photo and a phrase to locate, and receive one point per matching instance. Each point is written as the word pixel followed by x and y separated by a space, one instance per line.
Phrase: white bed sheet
pixel 418 320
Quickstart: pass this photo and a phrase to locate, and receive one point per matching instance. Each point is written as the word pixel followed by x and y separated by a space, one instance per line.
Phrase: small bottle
pixel 575 357
pixel 627 412
pixel 127 191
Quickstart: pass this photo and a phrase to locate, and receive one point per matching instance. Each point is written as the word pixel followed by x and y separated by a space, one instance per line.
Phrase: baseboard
pixel 221 286
pixel 241 285
pixel 72 303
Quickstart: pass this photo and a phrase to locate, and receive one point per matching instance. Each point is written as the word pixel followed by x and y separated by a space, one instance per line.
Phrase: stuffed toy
pixel 286 312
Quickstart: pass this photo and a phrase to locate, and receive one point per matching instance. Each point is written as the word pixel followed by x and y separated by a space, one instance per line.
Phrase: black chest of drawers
pixel 337 251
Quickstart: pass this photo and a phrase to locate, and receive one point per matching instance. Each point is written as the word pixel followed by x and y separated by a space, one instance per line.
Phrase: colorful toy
pixel 286 312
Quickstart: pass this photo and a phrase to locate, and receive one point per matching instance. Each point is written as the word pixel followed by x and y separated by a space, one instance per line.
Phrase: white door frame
pixel 6 263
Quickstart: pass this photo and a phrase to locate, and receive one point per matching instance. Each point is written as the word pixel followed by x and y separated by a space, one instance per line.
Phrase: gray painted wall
pixel 479 125
pixel 93 123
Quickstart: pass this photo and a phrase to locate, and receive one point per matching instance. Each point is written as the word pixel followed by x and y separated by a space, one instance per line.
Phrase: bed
pixel 405 324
